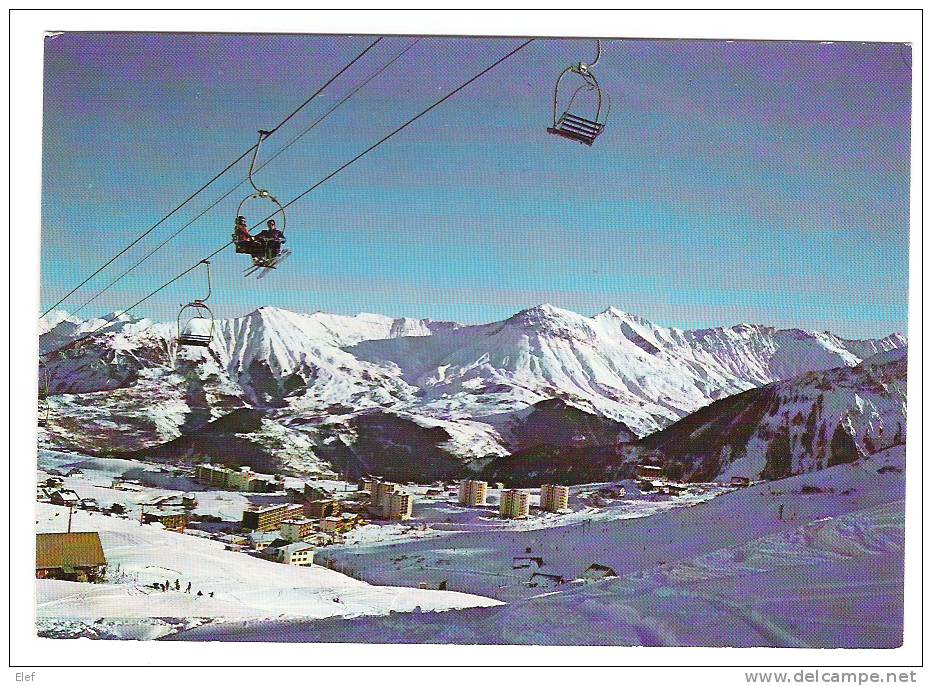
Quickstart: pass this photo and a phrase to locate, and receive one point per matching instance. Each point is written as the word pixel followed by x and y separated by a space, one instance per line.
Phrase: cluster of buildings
pixel 654 479
pixel 514 503
pixel 289 532
pixel 242 479
pixel 386 499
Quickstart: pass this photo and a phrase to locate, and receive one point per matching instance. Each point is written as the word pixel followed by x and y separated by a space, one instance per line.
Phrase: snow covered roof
pixel 296 547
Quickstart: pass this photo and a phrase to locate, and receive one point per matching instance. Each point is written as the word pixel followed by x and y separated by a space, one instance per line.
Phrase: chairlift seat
pixel 194 340
pixel 198 331
pixel 577 128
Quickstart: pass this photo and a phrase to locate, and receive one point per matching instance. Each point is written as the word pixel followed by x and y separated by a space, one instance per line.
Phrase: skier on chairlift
pixel 242 230
pixel 272 239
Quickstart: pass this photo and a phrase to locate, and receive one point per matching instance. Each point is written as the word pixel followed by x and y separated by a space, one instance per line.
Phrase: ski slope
pixel 825 570
pixel 244 587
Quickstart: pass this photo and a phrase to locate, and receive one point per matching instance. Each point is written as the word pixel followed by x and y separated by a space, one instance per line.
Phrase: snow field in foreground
pixel 243 586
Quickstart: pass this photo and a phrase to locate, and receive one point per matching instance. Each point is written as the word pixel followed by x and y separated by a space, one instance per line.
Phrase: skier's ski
pixel 281 258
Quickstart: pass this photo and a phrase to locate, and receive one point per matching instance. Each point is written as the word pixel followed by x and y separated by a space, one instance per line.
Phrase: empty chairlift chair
pixel 573 125
pixel 196 321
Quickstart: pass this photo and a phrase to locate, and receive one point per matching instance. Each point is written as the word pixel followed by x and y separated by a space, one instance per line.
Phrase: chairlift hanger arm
pixel 591 81
pixel 209 289
pixel 252 164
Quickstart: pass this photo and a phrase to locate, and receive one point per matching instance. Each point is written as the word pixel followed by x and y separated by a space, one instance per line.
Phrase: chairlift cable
pixel 329 176
pixel 214 178
pixel 400 128
pixel 230 192
pixel 139 302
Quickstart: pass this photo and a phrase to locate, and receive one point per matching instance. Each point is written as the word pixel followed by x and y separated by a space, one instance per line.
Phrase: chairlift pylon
pixel 44 407
pixel 198 328
pixel 570 124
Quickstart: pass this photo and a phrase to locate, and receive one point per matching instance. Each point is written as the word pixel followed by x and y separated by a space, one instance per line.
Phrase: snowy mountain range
pixel 371 393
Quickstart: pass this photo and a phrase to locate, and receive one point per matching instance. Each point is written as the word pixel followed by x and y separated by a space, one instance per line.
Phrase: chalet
pixel 539 579
pixel 260 540
pixel 65 497
pixel 739 481
pixel 677 489
pixel 233 542
pixel 172 521
pixel 166 501
pixel 89 504
pixel 613 491
pixel 526 562
pixel 647 486
pixel 597 572
pixel 650 472
pixel 595 500
pixel 70 557
pixel 300 554
pixel 340 524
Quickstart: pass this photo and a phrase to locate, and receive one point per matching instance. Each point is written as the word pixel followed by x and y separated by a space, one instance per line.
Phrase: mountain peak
pixel 546 310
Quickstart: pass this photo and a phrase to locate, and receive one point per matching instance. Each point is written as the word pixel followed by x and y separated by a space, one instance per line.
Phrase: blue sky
pixel 736 181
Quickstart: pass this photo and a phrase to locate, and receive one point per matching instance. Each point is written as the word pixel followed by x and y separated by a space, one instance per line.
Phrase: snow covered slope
pixel 808 423
pixel 326 375
pixel 243 586
pixel 811 561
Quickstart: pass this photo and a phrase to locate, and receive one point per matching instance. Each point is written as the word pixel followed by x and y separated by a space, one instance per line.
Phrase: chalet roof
pixel 296 547
pixel 604 570
pixel 80 549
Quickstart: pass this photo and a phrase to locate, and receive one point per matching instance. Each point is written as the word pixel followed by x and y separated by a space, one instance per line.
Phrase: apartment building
pixel 381 492
pixel 224 478
pixel 318 509
pixel 473 493
pixel 270 517
pixel 398 506
pixel 297 529
pixel 515 504
pixel 367 484
pixel 554 498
